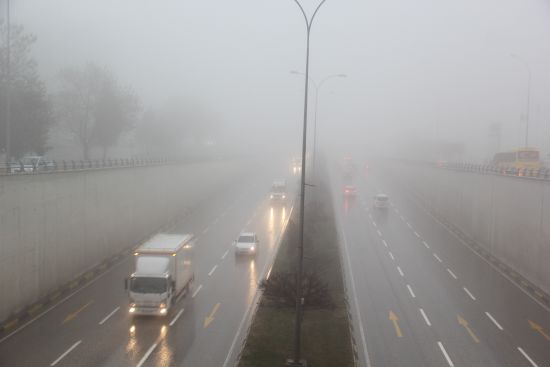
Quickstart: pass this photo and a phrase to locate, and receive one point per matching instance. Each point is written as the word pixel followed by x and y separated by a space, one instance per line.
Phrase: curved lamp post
pixel 296 361
pixel 317 89
pixel 527 108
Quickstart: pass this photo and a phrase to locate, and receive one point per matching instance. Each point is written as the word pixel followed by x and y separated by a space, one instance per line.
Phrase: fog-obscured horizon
pixel 422 73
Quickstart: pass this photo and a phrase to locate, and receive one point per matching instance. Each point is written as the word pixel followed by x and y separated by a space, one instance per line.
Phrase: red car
pixel 350 190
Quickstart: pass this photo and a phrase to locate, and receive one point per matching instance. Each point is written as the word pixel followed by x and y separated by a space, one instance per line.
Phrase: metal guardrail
pixel 535 173
pixel 18 168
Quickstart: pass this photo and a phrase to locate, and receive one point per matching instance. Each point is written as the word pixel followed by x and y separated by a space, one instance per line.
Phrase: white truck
pixel 163 270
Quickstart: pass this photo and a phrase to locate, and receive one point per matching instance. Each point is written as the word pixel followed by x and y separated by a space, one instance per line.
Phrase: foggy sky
pixel 416 69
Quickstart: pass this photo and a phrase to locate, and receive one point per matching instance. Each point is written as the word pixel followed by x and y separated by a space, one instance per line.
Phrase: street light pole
pixel 297 361
pixel 317 89
pixel 8 86
pixel 528 97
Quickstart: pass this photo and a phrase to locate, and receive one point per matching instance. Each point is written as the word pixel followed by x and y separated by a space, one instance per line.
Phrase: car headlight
pixel 271 196
pixel 284 196
pixel 163 311
pixel 253 248
pixel 132 309
pixel 162 305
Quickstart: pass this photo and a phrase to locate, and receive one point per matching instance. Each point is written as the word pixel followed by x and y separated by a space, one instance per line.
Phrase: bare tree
pixel 94 107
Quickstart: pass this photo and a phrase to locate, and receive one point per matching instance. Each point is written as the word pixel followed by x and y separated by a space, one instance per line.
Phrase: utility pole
pixel 8 85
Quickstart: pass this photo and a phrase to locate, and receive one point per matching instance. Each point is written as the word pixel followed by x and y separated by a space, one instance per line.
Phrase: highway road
pixel 205 328
pixel 420 297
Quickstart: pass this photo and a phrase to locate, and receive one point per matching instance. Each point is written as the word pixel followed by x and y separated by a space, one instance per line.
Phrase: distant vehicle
pixel 350 191
pixel 512 162
pixel 163 270
pixel 381 201
pixel 35 163
pixel 296 165
pixel 278 192
pixel 247 244
pixel 348 167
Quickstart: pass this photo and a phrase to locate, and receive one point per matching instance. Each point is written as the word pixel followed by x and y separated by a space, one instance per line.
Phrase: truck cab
pixel 163 270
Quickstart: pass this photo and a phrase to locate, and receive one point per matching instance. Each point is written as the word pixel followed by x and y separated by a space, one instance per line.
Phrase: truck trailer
pixel 163 271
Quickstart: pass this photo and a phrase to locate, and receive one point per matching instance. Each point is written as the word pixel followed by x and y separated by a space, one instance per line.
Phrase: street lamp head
pixel 342 76
pixel 294 72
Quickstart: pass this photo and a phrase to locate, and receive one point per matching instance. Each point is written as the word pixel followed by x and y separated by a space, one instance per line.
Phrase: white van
pixel 381 201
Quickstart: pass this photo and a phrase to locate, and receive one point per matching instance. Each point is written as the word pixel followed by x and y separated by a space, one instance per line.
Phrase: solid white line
pixel 445 354
pixel 354 293
pixel 437 257
pixel 416 234
pixel 400 271
pixel 196 291
pixel 391 255
pixel 411 291
pixel 374 224
pixel 379 233
pixel 176 317
pixel 213 270
pixel 385 243
pixel 469 294
pixel 409 225
pixel 109 315
pixel 65 354
pixel 481 257
pixel 493 320
pixel 225 254
pixel 527 357
pixel 425 317
pixel 147 354
pixel 425 244
pixel 452 274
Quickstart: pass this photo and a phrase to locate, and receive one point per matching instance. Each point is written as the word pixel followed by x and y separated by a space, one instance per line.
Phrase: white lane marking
pixel 402 217
pixel 374 224
pixel 425 244
pixel 223 214
pixel 385 243
pixel 469 294
pixel 416 234
pixel 176 317
pixel 409 225
pixel 147 354
pixel 445 354
pixel 249 221
pixel 196 291
pixel 379 233
pixel 400 271
pixel 396 210
pixel 527 357
pixel 215 221
pixel 425 317
pixel 411 291
pixel 205 231
pixel 213 270
pixel 109 315
pixel 496 268
pixel 452 274
pixel 62 301
pixel 438 258
pixel 225 254
pixel 370 216
pixel 66 352
pixel 391 255
pixel 494 321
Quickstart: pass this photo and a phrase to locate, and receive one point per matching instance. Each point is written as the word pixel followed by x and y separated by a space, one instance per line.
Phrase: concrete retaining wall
pixel 509 217
pixel 55 226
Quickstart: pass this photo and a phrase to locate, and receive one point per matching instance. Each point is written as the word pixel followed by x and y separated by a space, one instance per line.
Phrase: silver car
pixel 247 244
